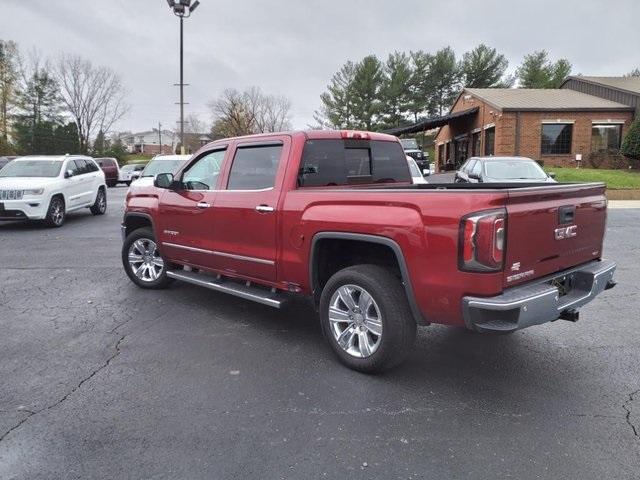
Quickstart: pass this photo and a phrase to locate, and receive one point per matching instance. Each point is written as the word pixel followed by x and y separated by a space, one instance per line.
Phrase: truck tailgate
pixel 553 228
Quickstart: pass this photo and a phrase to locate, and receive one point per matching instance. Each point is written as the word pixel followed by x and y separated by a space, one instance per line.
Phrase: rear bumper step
pixel 219 284
pixel 538 302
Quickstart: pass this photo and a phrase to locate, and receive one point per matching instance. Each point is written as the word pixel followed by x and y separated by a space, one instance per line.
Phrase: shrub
pixel 610 158
pixel 631 143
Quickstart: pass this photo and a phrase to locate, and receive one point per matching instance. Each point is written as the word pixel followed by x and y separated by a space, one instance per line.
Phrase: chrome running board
pixel 219 284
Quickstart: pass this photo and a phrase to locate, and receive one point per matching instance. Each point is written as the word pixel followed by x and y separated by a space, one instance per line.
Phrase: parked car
pixel 416 174
pixel 502 169
pixel 412 149
pixel 162 164
pixel 111 170
pixel 48 187
pixel 333 216
pixel 130 172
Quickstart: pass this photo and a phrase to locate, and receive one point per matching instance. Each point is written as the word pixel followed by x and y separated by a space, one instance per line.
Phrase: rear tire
pixel 376 334
pixel 99 207
pixel 143 261
pixel 56 213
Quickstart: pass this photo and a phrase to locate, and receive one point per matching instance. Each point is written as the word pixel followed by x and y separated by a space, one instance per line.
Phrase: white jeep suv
pixel 47 187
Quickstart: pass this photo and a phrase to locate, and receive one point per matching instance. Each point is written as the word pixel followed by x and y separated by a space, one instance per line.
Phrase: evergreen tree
pixel 537 71
pixel 336 110
pixel 631 144
pixel 422 84
pixel 8 88
pixel 446 75
pixel 39 113
pixel 484 67
pixel 99 144
pixel 396 95
pixel 367 86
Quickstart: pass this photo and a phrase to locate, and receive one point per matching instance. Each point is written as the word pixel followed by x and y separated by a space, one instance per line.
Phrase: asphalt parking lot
pixel 100 379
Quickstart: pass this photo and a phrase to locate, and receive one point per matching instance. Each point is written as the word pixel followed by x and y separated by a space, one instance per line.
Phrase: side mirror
pixel 552 174
pixel 68 174
pixel 163 180
pixel 475 176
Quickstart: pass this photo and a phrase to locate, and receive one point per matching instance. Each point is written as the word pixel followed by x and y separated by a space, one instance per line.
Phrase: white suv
pixel 47 187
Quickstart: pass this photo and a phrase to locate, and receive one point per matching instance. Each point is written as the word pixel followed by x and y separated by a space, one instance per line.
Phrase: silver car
pixel 502 170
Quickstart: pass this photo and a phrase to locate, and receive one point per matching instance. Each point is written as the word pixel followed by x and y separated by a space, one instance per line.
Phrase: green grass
pixel 614 179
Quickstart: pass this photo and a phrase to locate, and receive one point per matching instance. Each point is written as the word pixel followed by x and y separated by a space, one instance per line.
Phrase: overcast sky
pixel 293 47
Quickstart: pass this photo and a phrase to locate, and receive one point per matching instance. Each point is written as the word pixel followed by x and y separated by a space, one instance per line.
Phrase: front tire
pixel 56 213
pixel 143 261
pixel 366 318
pixel 99 207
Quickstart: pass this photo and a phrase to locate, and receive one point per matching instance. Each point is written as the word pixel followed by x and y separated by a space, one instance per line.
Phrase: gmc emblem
pixel 566 232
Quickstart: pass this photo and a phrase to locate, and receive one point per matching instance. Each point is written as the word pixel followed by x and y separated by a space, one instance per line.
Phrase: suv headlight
pixel 34 191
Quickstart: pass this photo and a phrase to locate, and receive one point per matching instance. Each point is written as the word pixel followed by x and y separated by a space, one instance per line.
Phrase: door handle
pixel 264 209
pixel 203 205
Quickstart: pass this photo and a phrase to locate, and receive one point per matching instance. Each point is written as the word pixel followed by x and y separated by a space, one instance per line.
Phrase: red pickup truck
pixel 333 216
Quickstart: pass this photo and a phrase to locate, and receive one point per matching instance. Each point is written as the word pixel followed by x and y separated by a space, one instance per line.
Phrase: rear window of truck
pixel 352 161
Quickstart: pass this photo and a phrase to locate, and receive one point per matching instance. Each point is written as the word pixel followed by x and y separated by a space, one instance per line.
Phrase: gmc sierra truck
pixel 333 216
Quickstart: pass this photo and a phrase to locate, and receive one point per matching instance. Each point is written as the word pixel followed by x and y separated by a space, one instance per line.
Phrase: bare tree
pixel 93 95
pixel 251 111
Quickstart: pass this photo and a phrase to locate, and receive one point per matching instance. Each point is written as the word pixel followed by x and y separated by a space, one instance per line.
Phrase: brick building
pixel 554 125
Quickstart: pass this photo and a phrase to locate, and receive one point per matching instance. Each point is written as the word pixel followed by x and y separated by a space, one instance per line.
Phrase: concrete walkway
pixel 624 204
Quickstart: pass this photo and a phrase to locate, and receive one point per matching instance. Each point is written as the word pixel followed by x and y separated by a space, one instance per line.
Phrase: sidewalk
pixel 624 204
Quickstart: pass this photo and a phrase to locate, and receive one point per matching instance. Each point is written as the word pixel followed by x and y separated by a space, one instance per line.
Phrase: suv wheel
pixel 143 261
pixel 56 213
pixel 366 318
pixel 100 205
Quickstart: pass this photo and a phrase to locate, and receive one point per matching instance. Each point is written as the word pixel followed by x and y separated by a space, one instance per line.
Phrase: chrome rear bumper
pixel 539 301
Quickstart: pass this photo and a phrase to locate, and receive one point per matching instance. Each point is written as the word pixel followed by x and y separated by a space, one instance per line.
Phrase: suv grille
pixel 11 194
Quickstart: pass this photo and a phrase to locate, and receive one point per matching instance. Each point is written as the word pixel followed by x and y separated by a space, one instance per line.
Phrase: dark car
pixel 4 161
pixel 412 149
pixel 111 170
pixel 502 170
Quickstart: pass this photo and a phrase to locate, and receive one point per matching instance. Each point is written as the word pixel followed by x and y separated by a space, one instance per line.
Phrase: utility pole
pixel 160 138
pixel 182 9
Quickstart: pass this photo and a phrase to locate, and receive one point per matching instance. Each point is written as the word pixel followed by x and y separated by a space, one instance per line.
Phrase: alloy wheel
pixel 355 321
pixel 145 260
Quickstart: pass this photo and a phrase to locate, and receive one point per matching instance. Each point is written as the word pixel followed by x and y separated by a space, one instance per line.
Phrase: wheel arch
pixel 135 220
pixel 320 239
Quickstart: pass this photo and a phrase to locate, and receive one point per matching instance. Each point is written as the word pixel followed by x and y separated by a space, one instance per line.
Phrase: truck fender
pixel 406 280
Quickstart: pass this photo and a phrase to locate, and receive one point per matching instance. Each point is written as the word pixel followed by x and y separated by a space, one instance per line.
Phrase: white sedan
pixel 416 175
pixel 48 187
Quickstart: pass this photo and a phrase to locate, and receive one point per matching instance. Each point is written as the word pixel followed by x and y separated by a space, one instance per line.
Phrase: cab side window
pixel 254 168
pixel 477 168
pixel 203 174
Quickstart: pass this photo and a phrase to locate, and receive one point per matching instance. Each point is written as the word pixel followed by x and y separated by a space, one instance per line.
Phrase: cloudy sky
pixel 293 47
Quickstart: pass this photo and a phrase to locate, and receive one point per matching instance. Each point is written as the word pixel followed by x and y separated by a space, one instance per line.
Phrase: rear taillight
pixel 482 241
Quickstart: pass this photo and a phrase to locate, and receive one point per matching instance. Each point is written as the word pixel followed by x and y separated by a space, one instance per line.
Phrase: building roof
pixel 627 84
pixel 430 123
pixel 537 99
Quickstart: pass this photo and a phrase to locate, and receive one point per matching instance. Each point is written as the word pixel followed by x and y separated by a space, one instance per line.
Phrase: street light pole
pixel 181 87
pixel 182 9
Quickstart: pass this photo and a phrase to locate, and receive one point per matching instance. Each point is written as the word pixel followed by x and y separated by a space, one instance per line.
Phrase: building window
pixel 489 140
pixel 475 144
pixel 441 153
pixel 556 138
pixel 606 137
pixel 461 147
